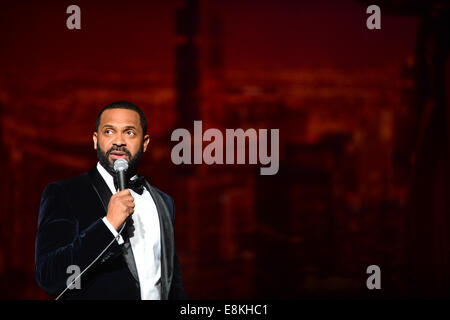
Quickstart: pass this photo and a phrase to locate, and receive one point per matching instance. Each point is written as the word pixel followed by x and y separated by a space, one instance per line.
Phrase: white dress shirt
pixel 145 242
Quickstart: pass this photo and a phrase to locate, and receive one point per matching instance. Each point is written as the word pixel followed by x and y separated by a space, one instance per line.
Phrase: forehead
pixel 120 117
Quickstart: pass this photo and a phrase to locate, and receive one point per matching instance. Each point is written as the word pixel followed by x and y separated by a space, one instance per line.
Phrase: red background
pixel 343 97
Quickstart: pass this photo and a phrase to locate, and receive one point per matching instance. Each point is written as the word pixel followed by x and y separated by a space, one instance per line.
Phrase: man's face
pixel 120 135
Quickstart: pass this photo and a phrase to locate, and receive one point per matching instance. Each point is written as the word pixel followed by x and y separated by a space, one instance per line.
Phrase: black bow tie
pixel 137 185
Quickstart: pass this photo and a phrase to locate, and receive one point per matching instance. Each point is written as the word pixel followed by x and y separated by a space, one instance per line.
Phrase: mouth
pixel 118 155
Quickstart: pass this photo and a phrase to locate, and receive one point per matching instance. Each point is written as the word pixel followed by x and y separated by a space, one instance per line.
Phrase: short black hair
pixel 123 105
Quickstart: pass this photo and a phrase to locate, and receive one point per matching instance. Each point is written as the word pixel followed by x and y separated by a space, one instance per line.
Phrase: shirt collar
pixel 108 177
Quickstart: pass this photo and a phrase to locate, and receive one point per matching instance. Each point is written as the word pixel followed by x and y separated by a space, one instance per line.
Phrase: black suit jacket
pixel 71 232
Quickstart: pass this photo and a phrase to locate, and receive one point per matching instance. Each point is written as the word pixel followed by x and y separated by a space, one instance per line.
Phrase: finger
pixel 128 196
pixel 126 199
pixel 129 205
pixel 124 192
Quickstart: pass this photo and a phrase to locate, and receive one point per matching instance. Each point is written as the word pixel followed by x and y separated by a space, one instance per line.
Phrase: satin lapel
pixel 167 244
pixel 104 193
pixel 100 187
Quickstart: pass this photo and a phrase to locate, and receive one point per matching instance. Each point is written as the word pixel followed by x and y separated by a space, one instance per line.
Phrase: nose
pixel 119 140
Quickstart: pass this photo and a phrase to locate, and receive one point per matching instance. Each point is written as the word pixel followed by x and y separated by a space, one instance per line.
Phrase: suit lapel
pixel 167 245
pixel 100 187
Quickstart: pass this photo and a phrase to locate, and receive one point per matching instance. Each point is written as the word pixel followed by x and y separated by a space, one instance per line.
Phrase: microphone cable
pixel 93 261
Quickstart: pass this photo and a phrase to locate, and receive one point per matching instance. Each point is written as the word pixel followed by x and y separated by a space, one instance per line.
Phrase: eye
pixel 130 133
pixel 108 131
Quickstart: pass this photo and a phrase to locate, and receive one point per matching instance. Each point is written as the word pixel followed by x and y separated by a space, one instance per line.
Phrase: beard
pixel 132 164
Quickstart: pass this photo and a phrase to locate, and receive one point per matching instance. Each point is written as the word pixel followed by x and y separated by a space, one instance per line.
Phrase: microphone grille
pixel 120 165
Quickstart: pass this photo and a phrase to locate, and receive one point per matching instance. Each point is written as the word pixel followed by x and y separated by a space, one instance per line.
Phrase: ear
pixel 94 139
pixel 146 141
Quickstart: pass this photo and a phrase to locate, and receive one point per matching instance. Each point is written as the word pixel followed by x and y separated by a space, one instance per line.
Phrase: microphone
pixel 120 167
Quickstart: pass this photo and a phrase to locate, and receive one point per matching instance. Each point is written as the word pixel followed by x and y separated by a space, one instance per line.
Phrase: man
pixel 80 220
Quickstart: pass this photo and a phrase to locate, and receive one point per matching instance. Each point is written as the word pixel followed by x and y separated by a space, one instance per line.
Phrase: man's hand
pixel 121 205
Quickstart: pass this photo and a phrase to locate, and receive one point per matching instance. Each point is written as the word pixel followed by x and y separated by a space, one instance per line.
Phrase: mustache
pixel 120 149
